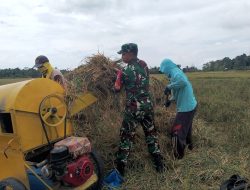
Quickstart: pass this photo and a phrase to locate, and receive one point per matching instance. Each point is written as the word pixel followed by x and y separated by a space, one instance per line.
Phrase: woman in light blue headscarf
pixel 182 93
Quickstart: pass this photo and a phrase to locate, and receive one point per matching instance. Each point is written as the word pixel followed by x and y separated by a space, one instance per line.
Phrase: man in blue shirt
pixel 182 93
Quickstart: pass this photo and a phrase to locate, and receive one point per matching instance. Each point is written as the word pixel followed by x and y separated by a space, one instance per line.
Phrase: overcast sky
pixel 190 32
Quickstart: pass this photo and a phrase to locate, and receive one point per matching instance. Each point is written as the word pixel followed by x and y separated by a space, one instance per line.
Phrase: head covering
pixel 46 69
pixel 129 47
pixel 40 60
pixel 167 65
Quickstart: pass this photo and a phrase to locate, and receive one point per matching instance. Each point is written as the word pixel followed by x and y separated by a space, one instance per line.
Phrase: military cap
pixel 129 47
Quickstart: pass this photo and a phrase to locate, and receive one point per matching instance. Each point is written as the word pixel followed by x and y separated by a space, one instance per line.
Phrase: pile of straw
pixel 101 121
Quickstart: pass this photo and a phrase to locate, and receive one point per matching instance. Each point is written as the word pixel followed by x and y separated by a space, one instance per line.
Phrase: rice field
pixel 221 130
pixel 221 137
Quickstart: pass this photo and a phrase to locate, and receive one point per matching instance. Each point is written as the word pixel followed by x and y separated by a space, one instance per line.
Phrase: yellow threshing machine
pixel 37 149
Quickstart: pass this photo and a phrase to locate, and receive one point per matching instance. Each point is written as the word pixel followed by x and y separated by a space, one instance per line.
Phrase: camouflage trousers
pixel 128 129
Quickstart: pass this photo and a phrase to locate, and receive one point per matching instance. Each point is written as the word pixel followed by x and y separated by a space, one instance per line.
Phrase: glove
pixel 113 90
pixel 167 103
pixel 167 91
pixel 118 82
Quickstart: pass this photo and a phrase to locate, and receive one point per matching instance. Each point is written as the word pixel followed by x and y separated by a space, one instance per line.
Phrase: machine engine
pixel 69 162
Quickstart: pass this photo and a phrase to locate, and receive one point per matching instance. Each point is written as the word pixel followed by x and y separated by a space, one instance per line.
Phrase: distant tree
pixel 19 73
pixel 241 62
pixel 206 67
pixel 227 63
pixel 190 69
pixel 154 70
pixel 22 73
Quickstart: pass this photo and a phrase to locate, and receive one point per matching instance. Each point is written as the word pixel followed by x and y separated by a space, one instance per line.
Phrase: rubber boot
pixel 158 164
pixel 120 166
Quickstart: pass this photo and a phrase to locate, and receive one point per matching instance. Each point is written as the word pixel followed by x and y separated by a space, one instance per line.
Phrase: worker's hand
pixel 167 103
pixel 118 82
pixel 167 91
pixel 114 90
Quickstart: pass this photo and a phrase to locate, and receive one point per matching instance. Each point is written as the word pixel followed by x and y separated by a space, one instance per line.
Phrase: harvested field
pixel 216 155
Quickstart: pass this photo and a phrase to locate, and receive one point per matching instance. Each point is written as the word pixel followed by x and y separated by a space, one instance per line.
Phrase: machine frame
pixel 28 124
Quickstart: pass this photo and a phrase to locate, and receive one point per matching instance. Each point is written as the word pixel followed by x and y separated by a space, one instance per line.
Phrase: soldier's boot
pixel 158 164
pixel 120 166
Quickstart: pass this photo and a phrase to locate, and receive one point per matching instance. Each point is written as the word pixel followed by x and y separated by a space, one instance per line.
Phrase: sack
pixel 235 182
pixel 113 180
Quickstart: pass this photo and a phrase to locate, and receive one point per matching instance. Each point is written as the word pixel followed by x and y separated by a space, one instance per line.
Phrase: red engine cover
pixel 79 171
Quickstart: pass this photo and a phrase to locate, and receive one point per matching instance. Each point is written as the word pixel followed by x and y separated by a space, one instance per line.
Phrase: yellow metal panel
pixel 13 165
pixel 29 128
pixel 31 95
pixel 27 95
pixel 82 101
pixel 8 94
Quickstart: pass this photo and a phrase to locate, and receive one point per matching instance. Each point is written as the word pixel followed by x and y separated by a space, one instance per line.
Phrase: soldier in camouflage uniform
pixel 139 109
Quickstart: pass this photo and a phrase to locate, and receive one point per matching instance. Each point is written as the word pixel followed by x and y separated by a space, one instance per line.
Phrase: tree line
pixel 241 62
pixel 21 73
pixel 155 70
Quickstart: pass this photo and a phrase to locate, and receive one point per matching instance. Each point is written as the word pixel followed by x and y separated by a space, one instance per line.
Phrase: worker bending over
pixel 43 66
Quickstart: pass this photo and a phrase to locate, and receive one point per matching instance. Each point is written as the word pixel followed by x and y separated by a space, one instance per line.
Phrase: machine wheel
pixel 12 183
pixel 99 170
pixel 53 110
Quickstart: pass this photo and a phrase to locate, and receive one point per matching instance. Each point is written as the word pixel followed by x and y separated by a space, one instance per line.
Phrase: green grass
pixel 219 75
pixel 224 105
pixel 221 134
pixel 221 137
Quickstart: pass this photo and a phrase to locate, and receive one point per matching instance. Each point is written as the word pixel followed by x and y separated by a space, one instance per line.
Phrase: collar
pixel 134 60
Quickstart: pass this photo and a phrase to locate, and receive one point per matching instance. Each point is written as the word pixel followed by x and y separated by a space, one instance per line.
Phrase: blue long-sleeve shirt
pixel 180 86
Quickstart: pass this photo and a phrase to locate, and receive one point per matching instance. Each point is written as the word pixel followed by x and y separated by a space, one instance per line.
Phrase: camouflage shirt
pixel 135 79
